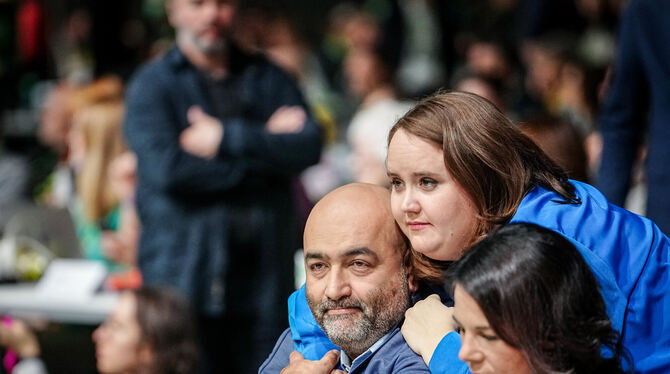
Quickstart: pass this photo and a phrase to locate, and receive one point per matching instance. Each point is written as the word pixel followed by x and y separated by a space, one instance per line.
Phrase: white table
pixel 23 301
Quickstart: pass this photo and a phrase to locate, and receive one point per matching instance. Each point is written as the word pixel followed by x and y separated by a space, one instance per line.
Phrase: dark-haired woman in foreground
pixel 527 302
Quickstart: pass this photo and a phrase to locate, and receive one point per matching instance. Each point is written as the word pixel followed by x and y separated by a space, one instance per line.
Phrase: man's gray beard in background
pixel 210 49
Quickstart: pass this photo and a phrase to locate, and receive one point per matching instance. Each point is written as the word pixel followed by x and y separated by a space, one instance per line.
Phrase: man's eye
pixel 317 267
pixel 459 330
pixel 360 263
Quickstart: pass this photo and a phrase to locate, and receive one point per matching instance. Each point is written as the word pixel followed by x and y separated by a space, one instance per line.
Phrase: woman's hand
pixel 17 336
pixel 426 323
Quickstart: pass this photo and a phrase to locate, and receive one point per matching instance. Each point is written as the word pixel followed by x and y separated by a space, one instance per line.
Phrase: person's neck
pixel 380 93
pixel 215 64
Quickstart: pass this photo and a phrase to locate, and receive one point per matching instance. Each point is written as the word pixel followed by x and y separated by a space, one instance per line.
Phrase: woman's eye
pixel 489 337
pixel 428 182
pixel 459 330
pixel 396 183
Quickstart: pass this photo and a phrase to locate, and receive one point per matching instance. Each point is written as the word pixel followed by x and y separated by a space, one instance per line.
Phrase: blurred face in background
pixel 363 71
pixel 202 25
pixel 119 347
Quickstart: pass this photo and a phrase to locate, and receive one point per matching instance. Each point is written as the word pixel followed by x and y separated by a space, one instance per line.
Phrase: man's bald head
pixel 356 208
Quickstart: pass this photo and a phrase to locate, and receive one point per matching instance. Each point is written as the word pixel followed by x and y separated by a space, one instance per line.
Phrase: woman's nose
pixel 409 202
pixel 469 351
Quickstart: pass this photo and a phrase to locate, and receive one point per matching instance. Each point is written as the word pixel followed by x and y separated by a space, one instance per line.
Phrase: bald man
pixel 357 288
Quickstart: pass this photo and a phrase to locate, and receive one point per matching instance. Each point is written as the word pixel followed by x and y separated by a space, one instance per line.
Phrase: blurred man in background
pixel 636 109
pixel 219 134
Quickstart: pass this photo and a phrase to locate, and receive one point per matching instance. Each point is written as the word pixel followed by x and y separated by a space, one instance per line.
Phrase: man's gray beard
pixel 209 49
pixel 383 311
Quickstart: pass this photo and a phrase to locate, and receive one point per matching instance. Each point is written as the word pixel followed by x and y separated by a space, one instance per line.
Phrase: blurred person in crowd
pixel 578 97
pixel 636 109
pixel 369 76
pixel 489 70
pixel 561 142
pixel 52 131
pixel 518 312
pixel 150 331
pixel 95 140
pixel 543 58
pixel 596 42
pixel 480 85
pixel 120 245
pixel 14 182
pixel 55 117
pixel 219 135
pixel 21 348
pixel 103 211
pixel 359 280
pixel 70 43
pixel 285 47
pixel 60 104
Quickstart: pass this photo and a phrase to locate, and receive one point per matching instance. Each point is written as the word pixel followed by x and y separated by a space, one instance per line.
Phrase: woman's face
pixel 118 341
pixel 430 206
pixel 481 348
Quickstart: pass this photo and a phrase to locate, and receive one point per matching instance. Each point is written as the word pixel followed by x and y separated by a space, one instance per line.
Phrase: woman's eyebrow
pixel 481 327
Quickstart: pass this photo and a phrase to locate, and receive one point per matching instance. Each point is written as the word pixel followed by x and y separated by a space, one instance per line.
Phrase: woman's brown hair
pixel 494 163
pixel 167 324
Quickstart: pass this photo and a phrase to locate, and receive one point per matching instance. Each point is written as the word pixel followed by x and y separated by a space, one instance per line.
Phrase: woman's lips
pixel 416 226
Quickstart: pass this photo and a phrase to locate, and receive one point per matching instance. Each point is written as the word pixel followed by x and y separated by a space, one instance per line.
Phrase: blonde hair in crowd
pixel 100 127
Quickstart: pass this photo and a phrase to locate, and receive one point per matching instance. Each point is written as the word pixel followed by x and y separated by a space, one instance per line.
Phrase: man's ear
pixel 169 12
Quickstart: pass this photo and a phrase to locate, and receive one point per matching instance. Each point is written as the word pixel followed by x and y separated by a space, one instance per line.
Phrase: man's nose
pixel 210 10
pixel 338 285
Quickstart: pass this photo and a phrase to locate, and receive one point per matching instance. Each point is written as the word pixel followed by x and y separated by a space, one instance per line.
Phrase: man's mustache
pixel 326 305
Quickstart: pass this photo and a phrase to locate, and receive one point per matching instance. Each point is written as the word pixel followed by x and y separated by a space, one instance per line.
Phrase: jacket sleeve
pixel 152 131
pixel 279 357
pixel 308 338
pixel 445 358
pixel 274 153
pixel 621 120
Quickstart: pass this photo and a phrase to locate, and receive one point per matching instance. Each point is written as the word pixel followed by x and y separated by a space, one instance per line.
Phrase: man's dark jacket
pixel 638 106
pixel 203 220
